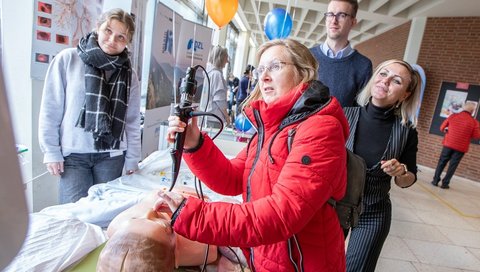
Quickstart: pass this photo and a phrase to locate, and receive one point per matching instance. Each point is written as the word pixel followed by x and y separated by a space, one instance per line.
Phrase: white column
pixel 241 56
pixel 415 38
pixel 219 36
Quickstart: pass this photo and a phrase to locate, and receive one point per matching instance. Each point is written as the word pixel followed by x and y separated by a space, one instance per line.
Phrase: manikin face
pixel 338 28
pixel 142 220
pixel 390 85
pixel 151 224
pixel 276 74
pixel 112 37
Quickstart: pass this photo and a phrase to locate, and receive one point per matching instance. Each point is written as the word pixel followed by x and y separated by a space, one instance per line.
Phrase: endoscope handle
pixel 184 114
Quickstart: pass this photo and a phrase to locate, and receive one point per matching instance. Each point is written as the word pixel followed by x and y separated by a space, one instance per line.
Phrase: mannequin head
pixel 141 239
pixel 128 250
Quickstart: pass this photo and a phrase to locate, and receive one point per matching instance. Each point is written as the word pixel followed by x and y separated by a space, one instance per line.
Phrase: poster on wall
pixel 59 24
pixel 452 97
pixel 452 102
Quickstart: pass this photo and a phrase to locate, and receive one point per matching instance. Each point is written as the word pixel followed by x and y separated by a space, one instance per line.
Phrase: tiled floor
pixel 433 230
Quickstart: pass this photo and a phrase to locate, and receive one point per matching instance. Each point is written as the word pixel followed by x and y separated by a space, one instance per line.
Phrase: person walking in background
pixel 382 132
pixel 217 100
pixel 285 222
pixel 459 129
pixel 341 68
pixel 245 86
pixel 233 83
pixel 89 123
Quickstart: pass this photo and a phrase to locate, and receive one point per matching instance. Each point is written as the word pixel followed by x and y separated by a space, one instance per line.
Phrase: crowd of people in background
pixel 240 89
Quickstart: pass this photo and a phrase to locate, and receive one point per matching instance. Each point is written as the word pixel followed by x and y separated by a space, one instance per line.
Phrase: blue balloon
pixel 277 24
pixel 242 123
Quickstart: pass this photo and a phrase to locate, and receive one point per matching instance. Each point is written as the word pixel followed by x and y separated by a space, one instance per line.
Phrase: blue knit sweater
pixel 344 77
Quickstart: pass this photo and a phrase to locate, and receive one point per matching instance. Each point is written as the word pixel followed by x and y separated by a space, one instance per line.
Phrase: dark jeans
pixel 81 171
pixel 454 157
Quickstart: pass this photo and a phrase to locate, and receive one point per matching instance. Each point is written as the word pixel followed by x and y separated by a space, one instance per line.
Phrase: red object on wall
pixel 463 85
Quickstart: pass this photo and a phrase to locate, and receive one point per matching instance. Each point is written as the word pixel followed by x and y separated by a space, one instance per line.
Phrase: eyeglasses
pixel 272 67
pixel 340 16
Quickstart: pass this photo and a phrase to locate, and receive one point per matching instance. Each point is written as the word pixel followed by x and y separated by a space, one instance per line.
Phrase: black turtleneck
pixel 373 132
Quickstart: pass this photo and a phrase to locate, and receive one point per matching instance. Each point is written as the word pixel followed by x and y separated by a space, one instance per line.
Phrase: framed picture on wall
pixel 452 102
pixel 451 98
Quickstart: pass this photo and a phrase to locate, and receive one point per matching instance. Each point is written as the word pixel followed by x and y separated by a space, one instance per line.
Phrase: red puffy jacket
pixel 285 193
pixel 462 127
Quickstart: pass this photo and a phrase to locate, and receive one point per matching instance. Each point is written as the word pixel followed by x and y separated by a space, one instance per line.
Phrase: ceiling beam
pixel 257 17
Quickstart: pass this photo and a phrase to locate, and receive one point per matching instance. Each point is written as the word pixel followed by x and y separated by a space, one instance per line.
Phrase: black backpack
pixel 350 206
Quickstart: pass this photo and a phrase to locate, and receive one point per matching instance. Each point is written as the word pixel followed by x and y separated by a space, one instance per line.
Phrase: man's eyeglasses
pixel 340 16
pixel 272 67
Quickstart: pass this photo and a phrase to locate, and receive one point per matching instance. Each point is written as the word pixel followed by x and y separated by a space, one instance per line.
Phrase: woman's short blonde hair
pixel 408 107
pixel 218 56
pixel 306 66
pixel 121 16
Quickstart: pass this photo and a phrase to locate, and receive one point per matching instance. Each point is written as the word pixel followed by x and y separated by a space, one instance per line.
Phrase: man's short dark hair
pixel 353 3
pixel 249 69
pixel 236 82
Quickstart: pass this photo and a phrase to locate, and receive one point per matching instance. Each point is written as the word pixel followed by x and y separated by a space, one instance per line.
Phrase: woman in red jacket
pixel 285 222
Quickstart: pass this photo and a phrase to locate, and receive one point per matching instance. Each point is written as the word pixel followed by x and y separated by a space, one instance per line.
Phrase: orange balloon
pixel 221 11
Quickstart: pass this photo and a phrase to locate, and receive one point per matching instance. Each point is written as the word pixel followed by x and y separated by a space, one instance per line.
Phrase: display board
pixel 161 83
pixel 194 43
pixel 451 98
pixel 176 45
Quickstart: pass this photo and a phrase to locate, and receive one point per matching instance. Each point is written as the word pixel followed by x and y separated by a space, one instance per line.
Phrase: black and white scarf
pixel 106 102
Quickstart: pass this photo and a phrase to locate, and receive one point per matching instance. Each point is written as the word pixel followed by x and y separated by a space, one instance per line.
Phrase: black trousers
pixel 367 239
pixel 447 155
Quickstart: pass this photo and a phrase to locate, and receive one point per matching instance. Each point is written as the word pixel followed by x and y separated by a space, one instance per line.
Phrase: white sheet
pixel 105 201
pixel 54 243
pixel 61 235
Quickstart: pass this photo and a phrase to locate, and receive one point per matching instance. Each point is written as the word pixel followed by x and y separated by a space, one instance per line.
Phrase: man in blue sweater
pixel 245 87
pixel 341 68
